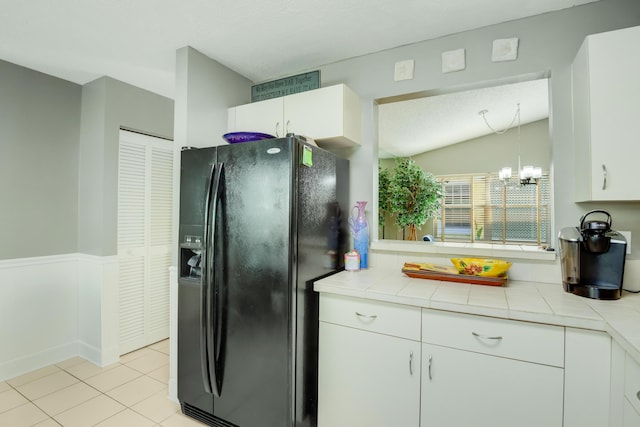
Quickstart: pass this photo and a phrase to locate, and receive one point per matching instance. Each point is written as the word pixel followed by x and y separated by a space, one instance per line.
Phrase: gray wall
pixel 488 154
pixel 547 43
pixel 205 89
pixel 39 128
pixel 108 105
pixel 59 159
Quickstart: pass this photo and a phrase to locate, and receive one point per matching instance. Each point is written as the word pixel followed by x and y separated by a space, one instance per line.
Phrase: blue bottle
pixel 360 233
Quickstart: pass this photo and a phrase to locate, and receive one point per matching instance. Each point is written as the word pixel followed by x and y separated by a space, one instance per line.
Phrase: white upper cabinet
pixel 606 90
pixel 329 115
pixel 264 116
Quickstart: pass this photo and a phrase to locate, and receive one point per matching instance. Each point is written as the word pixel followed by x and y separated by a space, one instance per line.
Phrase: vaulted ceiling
pixel 136 40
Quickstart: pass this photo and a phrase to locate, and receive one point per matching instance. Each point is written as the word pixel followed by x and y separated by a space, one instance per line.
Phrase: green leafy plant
pixel 384 194
pixel 479 230
pixel 414 195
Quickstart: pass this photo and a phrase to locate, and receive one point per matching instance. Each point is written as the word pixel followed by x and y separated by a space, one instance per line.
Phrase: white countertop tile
pixel 452 293
pixel 518 300
pixel 421 290
pixel 491 296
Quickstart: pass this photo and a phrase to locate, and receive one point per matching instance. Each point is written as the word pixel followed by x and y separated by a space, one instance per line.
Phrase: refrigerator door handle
pixel 205 310
pixel 215 324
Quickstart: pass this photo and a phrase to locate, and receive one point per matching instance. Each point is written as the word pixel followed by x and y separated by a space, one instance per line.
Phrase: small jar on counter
pixel 352 261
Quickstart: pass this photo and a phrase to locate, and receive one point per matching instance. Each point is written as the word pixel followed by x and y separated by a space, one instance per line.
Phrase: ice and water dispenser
pixel 190 257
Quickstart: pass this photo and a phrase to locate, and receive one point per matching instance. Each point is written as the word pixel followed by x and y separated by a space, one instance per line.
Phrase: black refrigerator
pixel 259 222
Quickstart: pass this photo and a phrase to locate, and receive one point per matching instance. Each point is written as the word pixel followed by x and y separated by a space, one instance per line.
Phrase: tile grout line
pixel 79 380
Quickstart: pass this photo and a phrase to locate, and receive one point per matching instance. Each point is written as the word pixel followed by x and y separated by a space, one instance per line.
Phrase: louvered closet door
pixel 145 189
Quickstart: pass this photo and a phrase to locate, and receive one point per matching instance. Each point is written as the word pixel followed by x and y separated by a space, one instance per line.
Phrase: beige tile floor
pixel 77 393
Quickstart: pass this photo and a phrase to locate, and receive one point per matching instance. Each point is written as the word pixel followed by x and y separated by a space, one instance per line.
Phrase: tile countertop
pixel 518 300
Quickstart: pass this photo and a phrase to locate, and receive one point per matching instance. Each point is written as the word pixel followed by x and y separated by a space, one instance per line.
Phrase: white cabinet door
pixel 616 399
pixel 631 417
pixel 462 388
pixel 587 378
pixel 330 115
pixel 263 116
pixel 367 379
pixel 606 109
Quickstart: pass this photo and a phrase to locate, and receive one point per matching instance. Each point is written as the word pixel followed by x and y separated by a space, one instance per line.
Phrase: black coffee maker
pixel 592 258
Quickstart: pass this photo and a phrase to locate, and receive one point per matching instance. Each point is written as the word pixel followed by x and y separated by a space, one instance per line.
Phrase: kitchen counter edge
pixel 535 302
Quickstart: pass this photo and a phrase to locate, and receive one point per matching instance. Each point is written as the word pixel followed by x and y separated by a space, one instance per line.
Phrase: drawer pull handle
pixel 485 337
pixel 411 364
pixel 366 316
pixel 430 359
pixel 638 394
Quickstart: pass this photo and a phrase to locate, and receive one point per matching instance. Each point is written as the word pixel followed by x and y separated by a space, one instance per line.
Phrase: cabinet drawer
pixel 632 382
pixel 500 337
pixel 375 316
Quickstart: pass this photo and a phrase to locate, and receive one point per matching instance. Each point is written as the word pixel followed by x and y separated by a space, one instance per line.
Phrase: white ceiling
pixel 415 126
pixel 136 40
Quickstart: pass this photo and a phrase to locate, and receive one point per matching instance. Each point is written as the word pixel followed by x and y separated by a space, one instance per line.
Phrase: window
pixel 481 208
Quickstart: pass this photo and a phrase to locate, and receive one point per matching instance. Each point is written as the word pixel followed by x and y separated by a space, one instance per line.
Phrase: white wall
pixel 38 312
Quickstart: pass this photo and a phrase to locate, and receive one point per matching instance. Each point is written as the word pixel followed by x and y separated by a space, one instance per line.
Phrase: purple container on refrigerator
pixel 259 222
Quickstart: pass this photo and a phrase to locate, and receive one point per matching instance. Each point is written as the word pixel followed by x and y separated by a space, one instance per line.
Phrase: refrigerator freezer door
pixel 253 282
pixel 196 167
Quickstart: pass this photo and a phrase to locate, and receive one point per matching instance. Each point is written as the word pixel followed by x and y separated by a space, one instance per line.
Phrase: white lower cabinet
pixel 625 388
pixel 630 417
pixel 388 365
pixel 367 378
pixel 463 388
pixel 631 408
pixel 480 371
pixel 587 378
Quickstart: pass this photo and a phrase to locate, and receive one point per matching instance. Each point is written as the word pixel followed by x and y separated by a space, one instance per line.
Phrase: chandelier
pixel 526 174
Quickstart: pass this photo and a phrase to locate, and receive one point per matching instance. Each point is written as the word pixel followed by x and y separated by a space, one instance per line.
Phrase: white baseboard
pixel 110 355
pixel 173 390
pixel 90 353
pixel 31 362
